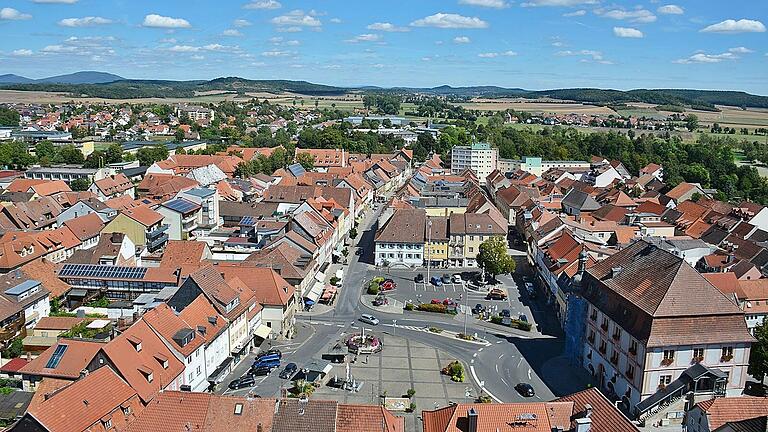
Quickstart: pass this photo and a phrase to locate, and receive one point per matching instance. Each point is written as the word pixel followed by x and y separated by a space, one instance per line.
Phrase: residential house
pixel 436 246
pixel 400 241
pixel 84 207
pixel 650 318
pixel 142 225
pixel 66 360
pixel 181 217
pixel 576 203
pixel 86 228
pixel 467 232
pixel 113 186
pixel 714 415
pixel 685 191
pixel 208 199
pixel 23 302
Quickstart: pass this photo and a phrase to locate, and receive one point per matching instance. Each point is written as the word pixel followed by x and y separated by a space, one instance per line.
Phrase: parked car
pixel 269 362
pixel 369 319
pixel 497 294
pixel 505 313
pixel 288 371
pixel 525 389
pixel 359 251
pixel 449 302
pixel 419 278
pixel 434 280
pixel 380 301
pixel 523 318
pixel 436 301
pixel 457 278
pixel 242 382
pixel 529 289
pixel 268 357
pixel 388 285
pixel 479 308
pixel 261 371
pixel 446 279
pixel 273 351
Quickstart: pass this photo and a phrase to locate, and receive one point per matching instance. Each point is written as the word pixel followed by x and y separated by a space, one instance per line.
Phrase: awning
pixel 315 292
pixel 77 293
pixel 320 276
pixel 262 331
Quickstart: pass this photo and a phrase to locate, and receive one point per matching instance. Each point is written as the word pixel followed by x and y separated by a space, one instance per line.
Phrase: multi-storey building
pixel 467 231
pixel 479 157
pixel 651 317
pixel 401 240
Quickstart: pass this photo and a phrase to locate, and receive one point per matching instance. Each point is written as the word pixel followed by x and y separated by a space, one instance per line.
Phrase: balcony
pixel 157 232
pixel 632 350
pixel 697 359
pixel 616 336
pixel 602 349
pixel 604 326
pixel 667 361
pixel 615 359
pixel 726 358
pixel 593 317
pixel 156 243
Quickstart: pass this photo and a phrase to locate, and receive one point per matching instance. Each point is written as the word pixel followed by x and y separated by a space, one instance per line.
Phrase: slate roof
pixel 580 200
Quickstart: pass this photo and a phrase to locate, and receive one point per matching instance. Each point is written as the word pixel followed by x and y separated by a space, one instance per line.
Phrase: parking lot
pixel 464 294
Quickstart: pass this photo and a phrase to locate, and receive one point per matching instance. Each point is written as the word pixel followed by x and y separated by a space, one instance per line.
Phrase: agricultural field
pixel 544 106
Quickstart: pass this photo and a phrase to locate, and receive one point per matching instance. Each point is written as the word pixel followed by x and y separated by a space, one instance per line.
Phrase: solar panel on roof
pixel 180 205
pixel 247 221
pixel 56 357
pixel 102 271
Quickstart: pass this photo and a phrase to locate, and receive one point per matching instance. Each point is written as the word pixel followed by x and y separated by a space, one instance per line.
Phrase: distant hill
pixel 84 77
pixel 105 85
pixel 14 79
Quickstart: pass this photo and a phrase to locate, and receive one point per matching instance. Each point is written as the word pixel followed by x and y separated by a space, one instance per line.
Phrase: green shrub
pixel 496 319
pixel 373 288
pixel 410 393
pixel 429 307
pixel 409 306
pixel 334 280
pixel 465 336
pixel 378 279
pixel 521 325
pixel 435 330
pixel 411 408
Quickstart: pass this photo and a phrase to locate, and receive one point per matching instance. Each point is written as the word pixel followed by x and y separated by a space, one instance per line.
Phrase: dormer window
pixel 135 342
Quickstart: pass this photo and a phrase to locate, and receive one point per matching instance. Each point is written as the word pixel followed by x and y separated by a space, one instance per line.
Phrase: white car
pixel 369 319
pixel 457 278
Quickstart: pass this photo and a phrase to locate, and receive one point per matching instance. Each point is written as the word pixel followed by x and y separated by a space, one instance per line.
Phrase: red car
pixel 436 301
pixel 388 285
pixel 449 302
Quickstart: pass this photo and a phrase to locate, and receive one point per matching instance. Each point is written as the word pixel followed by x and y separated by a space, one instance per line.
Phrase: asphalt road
pixel 511 356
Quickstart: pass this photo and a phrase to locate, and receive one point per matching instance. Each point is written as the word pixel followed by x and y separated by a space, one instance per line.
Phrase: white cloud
pixel 159 21
pixel 241 23
pixel 296 18
pixel 367 37
pixel 263 4
pixel 387 27
pixel 198 57
pixel 580 12
pixel 496 4
pixel 335 20
pixel 292 43
pixel 733 26
pixel 84 21
pixel 450 20
pixel 276 53
pixel 293 29
pixel 537 3
pixel 231 32
pixel 184 48
pixel 707 58
pixel 22 53
pixel 12 14
pixel 56 49
pixel 637 15
pixel 627 32
pixel 587 56
pixel 462 40
pixel 209 47
pixel 497 54
pixel 670 9
pixel 55 1
pixel 740 50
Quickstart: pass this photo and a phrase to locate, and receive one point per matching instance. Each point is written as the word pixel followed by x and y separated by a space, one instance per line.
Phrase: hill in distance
pixel 110 86
pixel 83 77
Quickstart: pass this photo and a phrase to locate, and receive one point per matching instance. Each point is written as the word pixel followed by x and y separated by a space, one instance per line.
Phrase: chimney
pixel 83 373
pixel 471 420
pixel 303 401
pixel 615 271
pixel 587 410
pixel 583 424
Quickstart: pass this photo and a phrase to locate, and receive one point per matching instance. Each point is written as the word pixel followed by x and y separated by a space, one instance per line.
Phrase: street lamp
pixel 429 248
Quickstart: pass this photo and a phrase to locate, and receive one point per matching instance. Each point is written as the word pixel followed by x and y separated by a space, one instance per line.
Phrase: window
pixel 127 411
pixel 633 346
pixel 190 376
pixel 727 354
pixel 698 354
pixel 107 424
pixel 471 249
pixel 471 238
pixel 669 354
pixel 664 380
pixel 199 370
pixel 630 371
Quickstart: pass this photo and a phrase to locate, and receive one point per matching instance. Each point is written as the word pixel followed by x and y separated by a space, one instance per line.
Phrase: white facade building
pixel 479 157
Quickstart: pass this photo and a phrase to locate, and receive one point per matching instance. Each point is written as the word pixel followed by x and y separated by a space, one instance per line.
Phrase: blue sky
pixel 533 44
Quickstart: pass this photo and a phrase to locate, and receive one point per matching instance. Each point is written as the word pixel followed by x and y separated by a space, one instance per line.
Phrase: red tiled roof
pixel 605 417
pixel 143 215
pixel 181 252
pixel 85 402
pixel 85 227
pixel 14 365
pixel 77 356
pixel 729 409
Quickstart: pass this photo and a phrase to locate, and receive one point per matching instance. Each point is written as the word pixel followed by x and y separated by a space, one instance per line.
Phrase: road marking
pixel 529 373
pixel 498 342
pixel 501 356
pixel 481 349
pixel 477 381
pixel 474 355
pixel 472 361
pixel 520 362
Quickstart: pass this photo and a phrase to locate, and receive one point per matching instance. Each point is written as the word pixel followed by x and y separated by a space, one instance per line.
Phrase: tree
pixel 691 122
pixel 80 184
pixel 45 149
pixel 149 155
pixel 758 356
pixel 9 117
pixel 306 160
pixel 179 135
pixel 493 257
pixel 69 154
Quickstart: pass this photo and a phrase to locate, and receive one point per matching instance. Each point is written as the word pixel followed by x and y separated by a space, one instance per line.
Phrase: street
pixel 510 356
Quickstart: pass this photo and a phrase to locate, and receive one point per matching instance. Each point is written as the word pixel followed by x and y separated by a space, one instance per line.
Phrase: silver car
pixel 369 319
